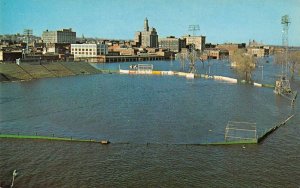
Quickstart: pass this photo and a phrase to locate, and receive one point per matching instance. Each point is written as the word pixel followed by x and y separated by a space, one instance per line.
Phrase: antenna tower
pixel 27 33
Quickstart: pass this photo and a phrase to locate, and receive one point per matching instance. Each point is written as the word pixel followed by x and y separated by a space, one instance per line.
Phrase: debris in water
pixel 104 142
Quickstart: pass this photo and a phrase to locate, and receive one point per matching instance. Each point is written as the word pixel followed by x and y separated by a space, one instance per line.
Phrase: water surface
pixel 167 112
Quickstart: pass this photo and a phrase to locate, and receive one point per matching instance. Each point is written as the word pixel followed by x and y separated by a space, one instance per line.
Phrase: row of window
pixel 85 53
pixel 79 49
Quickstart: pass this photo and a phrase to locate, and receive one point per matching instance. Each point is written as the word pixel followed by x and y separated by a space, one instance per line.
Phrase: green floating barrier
pixel 268 85
pixel 43 138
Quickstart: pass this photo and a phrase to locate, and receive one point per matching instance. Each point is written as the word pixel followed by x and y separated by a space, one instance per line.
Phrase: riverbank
pixel 26 71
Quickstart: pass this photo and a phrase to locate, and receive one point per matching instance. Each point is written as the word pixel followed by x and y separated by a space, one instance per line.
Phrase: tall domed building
pixel 148 37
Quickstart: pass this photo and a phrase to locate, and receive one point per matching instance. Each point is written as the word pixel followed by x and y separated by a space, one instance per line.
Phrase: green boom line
pixel 43 138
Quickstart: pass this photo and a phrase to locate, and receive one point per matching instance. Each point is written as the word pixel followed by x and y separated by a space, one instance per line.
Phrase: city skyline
pixel 221 21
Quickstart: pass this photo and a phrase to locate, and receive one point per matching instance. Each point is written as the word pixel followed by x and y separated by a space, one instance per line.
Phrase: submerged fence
pixel 235 133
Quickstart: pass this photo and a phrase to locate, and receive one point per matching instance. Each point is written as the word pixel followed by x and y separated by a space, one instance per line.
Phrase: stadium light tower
pixel 282 86
pixel 285 21
pixel 193 28
pixel 27 33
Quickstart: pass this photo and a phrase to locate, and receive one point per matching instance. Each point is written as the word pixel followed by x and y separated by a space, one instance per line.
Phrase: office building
pixel 231 47
pixel 138 37
pixel 171 43
pixel 59 36
pixel 198 41
pixel 88 50
pixel 148 37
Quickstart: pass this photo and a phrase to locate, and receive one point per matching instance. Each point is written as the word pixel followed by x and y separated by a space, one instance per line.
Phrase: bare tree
pixel 294 61
pixel 245 64
pixel 182 60
pixel 199 57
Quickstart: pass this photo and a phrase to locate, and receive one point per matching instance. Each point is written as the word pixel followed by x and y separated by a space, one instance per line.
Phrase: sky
pixel 219 20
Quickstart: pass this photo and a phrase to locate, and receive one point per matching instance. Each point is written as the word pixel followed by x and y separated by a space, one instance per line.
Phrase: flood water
pixel 152 122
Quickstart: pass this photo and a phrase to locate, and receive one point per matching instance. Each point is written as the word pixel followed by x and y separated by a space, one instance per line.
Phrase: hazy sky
pixel 219 20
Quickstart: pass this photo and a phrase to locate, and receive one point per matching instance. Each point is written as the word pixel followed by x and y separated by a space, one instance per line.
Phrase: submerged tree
pixel 200 58
pixel 294 63
pixel 182 59
pixel 293 59
pixel 244 64
pixel 192 57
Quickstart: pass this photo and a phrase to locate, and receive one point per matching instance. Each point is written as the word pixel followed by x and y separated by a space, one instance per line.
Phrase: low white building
pixel 88 50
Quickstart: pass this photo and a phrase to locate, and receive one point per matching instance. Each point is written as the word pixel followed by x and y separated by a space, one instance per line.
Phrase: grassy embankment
pixel 25 71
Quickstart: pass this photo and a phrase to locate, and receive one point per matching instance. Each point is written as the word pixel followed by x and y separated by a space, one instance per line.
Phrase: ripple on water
pixel 167 111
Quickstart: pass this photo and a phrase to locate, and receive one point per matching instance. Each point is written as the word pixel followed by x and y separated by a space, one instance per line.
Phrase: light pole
pixel 262 71
pixel 14 175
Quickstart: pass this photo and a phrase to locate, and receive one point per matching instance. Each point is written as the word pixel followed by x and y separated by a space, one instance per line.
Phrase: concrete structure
pixel 10 56
pixel 127 51
pixel 82 51
pixel 231 47
pixel 215 54
pixel 59 36
pixel 148 37
pixel 198 41
pixel 57 48
pixel 119 58
pixel 258 51
pixel 138 38
pixel 172 43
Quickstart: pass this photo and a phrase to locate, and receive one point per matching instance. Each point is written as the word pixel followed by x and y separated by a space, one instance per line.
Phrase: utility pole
pixel 262 71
